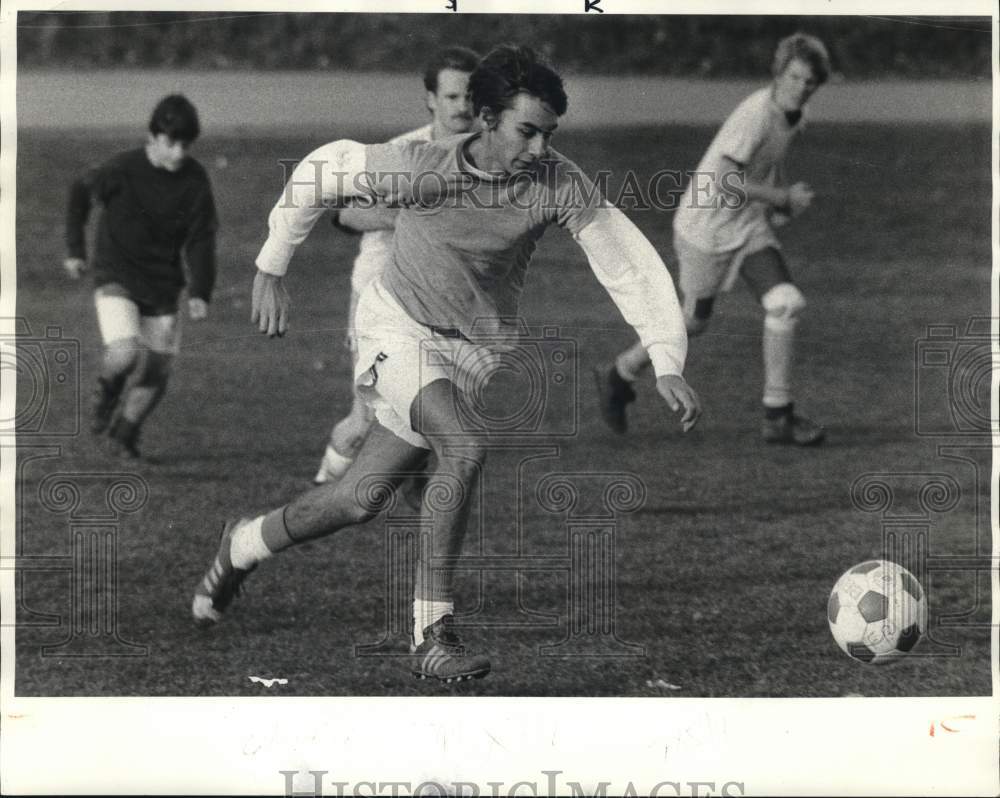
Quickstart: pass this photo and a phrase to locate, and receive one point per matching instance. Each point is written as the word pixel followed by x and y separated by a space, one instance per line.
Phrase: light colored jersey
pixel 464 238
pixel 375 248
pixel 756 136
pixel 455 262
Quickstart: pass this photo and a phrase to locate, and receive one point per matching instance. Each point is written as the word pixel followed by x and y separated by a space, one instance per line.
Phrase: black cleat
pixel 790 428
pixel 442 656
pixel 613 394
pixel 222 582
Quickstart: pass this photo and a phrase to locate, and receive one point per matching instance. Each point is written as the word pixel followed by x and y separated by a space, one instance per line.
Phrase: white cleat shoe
pixel 332 467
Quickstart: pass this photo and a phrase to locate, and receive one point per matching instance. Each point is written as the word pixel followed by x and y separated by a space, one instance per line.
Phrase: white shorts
pixel 703 274
pixel 398 356
pixel 119 319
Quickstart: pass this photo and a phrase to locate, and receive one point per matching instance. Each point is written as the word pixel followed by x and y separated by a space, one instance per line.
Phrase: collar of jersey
pixel 475 171
pixel 777 111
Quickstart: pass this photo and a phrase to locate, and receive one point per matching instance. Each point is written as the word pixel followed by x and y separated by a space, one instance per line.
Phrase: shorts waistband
pixel 447 332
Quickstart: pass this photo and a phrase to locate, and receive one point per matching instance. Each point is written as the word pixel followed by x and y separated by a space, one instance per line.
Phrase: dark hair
pixel 177 117
pixel 806 48
pixel 461 59
pixel 508 70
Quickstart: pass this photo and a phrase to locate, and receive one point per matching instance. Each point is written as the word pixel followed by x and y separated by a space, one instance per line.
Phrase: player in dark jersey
pixel 157 208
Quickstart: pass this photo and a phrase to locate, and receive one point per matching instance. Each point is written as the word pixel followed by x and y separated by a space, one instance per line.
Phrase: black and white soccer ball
pixel 877 612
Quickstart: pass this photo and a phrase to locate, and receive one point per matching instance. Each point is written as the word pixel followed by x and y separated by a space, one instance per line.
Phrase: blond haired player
pixel 725 227
pixel 446 80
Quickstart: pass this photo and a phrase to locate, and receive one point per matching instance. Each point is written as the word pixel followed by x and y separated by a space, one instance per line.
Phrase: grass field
pixel 721 576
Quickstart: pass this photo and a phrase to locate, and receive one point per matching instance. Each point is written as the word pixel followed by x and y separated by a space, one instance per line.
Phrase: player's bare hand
pixel 197 309
pixel 74 267
pixel 680 396
pixel 800 197
pixel 270 304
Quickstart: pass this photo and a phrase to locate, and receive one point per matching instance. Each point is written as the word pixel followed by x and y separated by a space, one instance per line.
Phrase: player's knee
pixel 156 369
pixel 783 305
pixel 122 355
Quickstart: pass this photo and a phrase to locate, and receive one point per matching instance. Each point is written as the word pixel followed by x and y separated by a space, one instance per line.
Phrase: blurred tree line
pixel 708 46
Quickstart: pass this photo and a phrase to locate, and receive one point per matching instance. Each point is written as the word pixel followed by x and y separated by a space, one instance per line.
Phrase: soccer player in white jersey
pixel 437 321
pixel 446 80
pixel 725 226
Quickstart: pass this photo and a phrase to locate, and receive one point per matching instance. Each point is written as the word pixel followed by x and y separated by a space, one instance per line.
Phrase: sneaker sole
pixel 793 442
pixel 462 677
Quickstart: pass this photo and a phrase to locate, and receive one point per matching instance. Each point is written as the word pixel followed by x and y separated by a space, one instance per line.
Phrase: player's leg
pixel 379 467
pixel 701 274
pixel 161 339
pixel 767 274
pixel 118 321
pixel 348 434
pixel 437 414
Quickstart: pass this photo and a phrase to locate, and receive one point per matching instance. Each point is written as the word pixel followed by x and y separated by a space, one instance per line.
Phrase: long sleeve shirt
pixel 463 240
pixel 151 217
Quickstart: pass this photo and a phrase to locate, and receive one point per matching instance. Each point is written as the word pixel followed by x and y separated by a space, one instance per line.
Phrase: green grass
pixel 722 576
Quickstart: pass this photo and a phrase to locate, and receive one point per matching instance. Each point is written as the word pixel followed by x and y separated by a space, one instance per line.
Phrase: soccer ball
pixel 877 612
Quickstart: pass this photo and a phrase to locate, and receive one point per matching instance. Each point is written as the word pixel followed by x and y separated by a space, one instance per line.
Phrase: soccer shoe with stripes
pixel 792 429
pixel 221 583
pixel 332 467
pixel 613 394
pixel 441 656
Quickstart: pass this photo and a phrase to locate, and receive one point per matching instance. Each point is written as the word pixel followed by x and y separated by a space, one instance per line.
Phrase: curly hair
pixel 509 70
pixel 805 48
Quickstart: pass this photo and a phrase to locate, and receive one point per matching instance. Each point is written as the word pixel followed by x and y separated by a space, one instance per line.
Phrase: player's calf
pixel 146 392
pixel 119 360
pixel 783 303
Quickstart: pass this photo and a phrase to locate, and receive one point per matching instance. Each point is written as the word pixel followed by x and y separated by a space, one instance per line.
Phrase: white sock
pixel 334 465
pixel 632 362
pixel 426 613
pixel 779 350
pixel 248 547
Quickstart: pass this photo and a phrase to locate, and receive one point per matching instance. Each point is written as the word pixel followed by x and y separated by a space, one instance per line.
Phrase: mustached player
pixel 446 80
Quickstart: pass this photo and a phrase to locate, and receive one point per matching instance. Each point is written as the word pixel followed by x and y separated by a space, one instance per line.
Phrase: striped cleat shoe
pixel 791 428
pixel 441 656
pixel 221 583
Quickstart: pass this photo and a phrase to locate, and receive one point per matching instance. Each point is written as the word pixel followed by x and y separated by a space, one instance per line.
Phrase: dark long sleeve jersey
pixel 150 217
